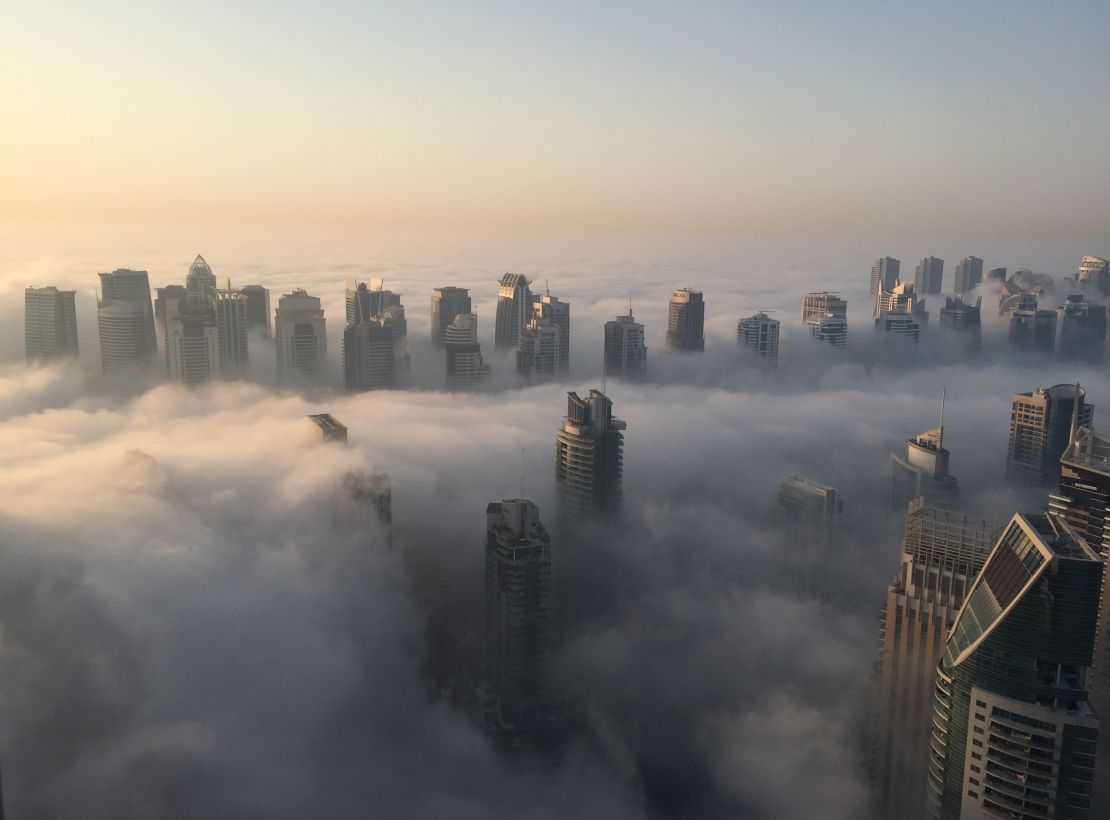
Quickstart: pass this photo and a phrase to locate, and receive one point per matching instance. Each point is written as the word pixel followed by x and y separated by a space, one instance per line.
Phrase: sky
pixel 801 119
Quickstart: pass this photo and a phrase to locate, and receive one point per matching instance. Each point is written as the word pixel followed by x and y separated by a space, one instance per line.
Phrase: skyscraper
pixel 1033 331
pixel 1013 296
pixel 686 321
pixel 924 472
pixel 1095 271
pixel 759 333
pixel 625 351
pixel 258 307
pixel 538 357
pixel 200 286
pixel 514 309
pixel 826 316
pixel 1012 732
pixel 1041 423
pixel 942 552
pixel 50 323
pixel 589 459
pixel 447 303
pixel 558 313
pixel 518 604
pixel 884 274
pixel 368 355
pixel 1082 329
pixel 300 331
pixel 807 513
pixel 1083 497
pixel 928 276
pixel 902 298
pixel 125 319
pixel 899 324
pixel 190 336
pixel 231 325
pixel 968 275
pixel 465 368
pixel 374 302
pixel 964 318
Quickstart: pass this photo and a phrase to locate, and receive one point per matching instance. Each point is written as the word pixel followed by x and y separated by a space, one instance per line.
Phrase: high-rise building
pixel 928 276
pixel 807 513
pixel 465 368
pixel 1012 732
pixel 167 298
pixel 1041 424
pixel 884 274
pixel 200 286
pixel 686 321
pixel 301 333
pixel 558 313
pixel 368 355
pixel 231 324
pixel 538 357
pixel 819 304
pixel 125 320
pixel 192 344
pixel 258 307
pixel 514 310
pixel 50 323
pixel 1083 497
pixel 760 334
pixel 826 316
pixel 902 298
pixel 996 274
pixel 942 552
pixel 589 459
pixel 518 604
pixel 964 318
pixel 374 302
pixel 1034 330
pixel 968 275
pixel 447 303
pixel 900 324
pixel 1013 296
pixel 328 427
pixel 625 351
pixel 924 472
pixel 1082 329
pixel 1095 271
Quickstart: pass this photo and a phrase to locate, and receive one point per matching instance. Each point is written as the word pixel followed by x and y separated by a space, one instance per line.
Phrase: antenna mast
pixel 943 392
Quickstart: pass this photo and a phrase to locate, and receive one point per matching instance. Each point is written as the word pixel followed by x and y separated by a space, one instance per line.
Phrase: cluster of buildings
pixel 995 644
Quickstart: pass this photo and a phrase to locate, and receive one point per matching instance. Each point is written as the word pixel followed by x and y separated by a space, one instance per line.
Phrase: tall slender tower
pixel 1012 732
pixel 300 328
pixel 1082 329
pixel 447 303
pixel 465 367
pixel 258 307
pixel 686 321
pixel 538 357
pixel 760 334
pixel 514 308
pixel 807 513
pixel 625 351
pixel 963 318
pixel 942 552
pixel 125 319
pixel 50 323
pixel 589 459
pixel 1040 429
pixel 928 276
pixel 231 324
pixel 368 355
pixel 518 604
pixel 884 273
pixel 191 338
pixel 558 313
pixel 968 275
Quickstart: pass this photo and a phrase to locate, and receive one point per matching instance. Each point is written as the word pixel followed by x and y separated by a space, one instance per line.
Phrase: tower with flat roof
pixel 447 303
pixel 514 310
pixel 50 323
pixel 884 273
pixel 1041 423
pixel 589 459
pixel 686 321
pixel 625 351
pixel 968 275
pixel 928 276
pixel 301 334
pixel 125 319
pixel 759 333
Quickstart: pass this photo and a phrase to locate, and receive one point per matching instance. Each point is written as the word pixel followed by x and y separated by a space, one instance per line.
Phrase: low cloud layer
pixel 192 625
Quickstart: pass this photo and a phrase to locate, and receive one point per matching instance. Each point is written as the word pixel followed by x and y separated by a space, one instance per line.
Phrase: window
pixel 976 756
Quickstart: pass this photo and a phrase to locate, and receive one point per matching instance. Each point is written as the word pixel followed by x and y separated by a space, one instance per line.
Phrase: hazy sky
pixel 943 119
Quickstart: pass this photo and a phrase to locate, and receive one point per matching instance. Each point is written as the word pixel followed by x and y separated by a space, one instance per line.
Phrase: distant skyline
pixel 835 120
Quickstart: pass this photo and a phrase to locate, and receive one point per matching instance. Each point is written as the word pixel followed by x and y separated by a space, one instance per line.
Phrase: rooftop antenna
pixel 629 307
pixel 522 473
pixel 547 285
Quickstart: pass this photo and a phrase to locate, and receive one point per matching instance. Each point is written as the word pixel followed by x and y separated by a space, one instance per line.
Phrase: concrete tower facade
pixel 1041 424
pixel 928 276
pixel 50 323
pixel 968 274
pixel 125 319
pixel 301 333
pixel 884 274
pixel 465 367
pixel 686 321
pixel 589 460
pixel 625 350
pixel 447 303
pixel 759 333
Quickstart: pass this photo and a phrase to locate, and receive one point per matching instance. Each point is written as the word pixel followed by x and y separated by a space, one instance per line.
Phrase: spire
pixel 943 392
pixel 1074 415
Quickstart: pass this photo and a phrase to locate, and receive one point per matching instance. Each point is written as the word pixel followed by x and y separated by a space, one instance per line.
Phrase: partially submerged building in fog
pixel 1041 424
